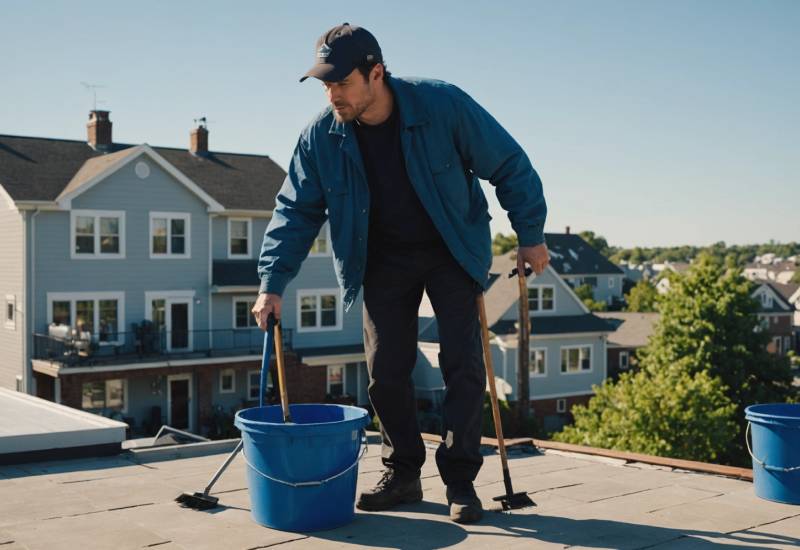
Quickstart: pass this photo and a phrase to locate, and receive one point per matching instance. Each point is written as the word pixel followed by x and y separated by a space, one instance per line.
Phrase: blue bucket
pixel 775 451
pixel 302 476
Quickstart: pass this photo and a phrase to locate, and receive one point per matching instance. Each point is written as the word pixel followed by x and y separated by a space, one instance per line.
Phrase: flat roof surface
pixel 28 423
pixel 583 501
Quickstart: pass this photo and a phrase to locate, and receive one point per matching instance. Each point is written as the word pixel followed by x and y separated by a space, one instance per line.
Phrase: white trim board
pixel 96 215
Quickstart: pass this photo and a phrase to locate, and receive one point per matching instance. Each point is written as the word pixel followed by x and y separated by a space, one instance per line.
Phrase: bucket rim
pixel 752 412
pixel 247 421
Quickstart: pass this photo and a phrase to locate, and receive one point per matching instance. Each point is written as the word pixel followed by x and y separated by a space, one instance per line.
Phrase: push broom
pixel 510 500
pixel 204 501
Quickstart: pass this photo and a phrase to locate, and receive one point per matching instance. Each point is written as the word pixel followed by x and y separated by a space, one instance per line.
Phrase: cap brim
pixel 327 72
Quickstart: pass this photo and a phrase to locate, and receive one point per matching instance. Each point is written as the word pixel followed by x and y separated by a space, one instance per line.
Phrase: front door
pixel 179 331
pixel 180 399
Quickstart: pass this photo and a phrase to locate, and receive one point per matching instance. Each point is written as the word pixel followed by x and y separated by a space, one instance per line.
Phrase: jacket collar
pixel 412 112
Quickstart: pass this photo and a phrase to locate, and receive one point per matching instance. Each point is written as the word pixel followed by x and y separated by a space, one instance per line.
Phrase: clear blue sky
pixel 650 123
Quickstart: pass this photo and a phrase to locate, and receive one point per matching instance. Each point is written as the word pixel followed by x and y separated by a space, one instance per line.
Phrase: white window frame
pixel 187 218
pixel 579 371
pixel 171 297
pixel 239 299
pixel 73 297
pixel 766 299
pixel 250 384
pixel 611 282
pixel 326 230
pixel 532 362
pixel 561 405
pixel 232 373
pixel 97 214
pixel 318 292
pixel 124 409
pixel 328 378
pixel 249 253
pixel 539 298
pixel 12 301
pixel 623 365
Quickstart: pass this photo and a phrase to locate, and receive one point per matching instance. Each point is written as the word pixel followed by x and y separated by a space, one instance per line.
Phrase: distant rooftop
pixel 583 501
pixel 631 329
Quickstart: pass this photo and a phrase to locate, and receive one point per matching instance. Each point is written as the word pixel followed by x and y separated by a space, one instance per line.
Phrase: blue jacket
pixel 448 141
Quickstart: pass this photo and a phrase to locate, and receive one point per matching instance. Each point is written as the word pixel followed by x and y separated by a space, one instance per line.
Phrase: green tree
pixel 642 297
pixel 664 412
pixel 796 277
pixel 706 342
pixel 586 294
pixel 503 243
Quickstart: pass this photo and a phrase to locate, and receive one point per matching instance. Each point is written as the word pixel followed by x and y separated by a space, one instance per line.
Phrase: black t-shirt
pixel 397 217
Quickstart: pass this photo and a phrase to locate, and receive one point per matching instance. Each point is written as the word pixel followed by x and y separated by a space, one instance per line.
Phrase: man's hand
pixel 535 256
pixel 266 304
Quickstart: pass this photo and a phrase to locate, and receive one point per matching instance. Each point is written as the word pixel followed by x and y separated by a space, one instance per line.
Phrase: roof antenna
pixel 93 88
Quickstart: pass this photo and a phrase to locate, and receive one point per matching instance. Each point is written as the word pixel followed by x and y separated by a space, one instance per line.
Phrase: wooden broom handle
pixel 487 357
pixel 281 372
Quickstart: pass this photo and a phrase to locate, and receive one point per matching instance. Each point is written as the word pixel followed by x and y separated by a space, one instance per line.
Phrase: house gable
pixel 98 169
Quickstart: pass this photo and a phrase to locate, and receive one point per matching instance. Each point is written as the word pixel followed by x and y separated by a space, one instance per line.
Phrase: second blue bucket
pixel 302 476
pixel 775 451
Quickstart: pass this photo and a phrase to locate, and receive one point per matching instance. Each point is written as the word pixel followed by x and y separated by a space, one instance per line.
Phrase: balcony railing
pixel 143 346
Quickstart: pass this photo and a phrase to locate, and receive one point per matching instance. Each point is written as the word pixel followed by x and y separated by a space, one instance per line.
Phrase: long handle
pixel 498 427
pixel 223 467
pixel 281 373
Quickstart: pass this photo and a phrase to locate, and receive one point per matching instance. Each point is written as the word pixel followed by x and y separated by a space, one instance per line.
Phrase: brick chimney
pixel 567 230
pixel 198 139
pixel 99 131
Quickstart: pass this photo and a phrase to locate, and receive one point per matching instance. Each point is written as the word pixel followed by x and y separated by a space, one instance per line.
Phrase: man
pixel 394 165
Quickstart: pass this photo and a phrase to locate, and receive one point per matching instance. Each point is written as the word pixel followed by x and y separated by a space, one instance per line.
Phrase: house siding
pixel 564 303
pixel 137 273
pixel 12 252
pixel 554 382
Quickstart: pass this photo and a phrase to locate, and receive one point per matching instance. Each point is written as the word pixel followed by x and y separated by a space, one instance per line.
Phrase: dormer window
pixel 541 298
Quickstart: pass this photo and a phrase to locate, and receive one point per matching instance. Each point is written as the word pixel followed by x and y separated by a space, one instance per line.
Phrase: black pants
pixel 393 285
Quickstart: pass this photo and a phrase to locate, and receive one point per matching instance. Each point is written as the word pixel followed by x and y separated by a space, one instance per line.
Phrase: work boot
pixel 465 506
pixel 391 490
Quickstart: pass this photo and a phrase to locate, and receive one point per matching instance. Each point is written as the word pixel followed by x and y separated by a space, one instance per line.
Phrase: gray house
pixel 128 273
pixel 567 344
pixel 578 263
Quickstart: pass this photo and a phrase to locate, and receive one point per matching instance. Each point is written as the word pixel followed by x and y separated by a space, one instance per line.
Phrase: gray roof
pixel 570 254
pixel 784 290
pixel 582 501
pixel 234 273
pixel 33 168
pixel 631 329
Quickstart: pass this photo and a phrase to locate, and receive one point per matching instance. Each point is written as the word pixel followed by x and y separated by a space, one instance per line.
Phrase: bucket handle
pixel 314 483
pixel 764 464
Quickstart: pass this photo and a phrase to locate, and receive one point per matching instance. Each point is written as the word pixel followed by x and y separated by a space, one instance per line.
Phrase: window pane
pixel 84 315
pixel 336 379
pixel 109 245
pixel 328 310
pixel 108 320
pixel 227 381
pixel 61 313
pixel 178 245
pixel 238 246
pixel 574 357
pixel 84 225
pixel 242 314
pixel 239 230
pixel 93 395
pixel 84 245
pixel 158 314
pixel 115 394
pixel 159 230
pixel 308 319
pixel 547 298
pixel 533 299
pixel 178 226
pixel 109 226
pixel 586 358
pixel 255 380
pixel 251 319
pixel 9 312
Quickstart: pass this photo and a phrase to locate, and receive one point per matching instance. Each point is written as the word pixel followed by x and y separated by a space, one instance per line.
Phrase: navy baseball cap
pixel 342 49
